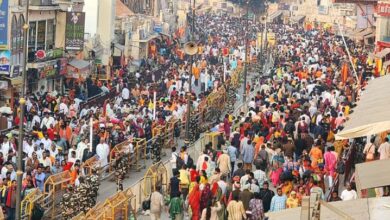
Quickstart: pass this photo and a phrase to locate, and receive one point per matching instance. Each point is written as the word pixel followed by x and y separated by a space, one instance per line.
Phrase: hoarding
pixel 3 24
pixel 383 9
pixel 5 57
pixel 74 32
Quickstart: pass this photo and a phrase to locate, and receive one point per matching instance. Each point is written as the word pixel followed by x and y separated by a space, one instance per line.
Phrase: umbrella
pixel 5 110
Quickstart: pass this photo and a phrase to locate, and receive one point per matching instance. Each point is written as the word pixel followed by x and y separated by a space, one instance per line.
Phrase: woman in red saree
pixel 194 202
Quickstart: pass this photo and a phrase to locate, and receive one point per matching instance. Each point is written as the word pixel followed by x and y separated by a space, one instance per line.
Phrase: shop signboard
pixel 283 6
pixel 63 63
pixel 356 1
pixel 365 16
pixel 42 55
pixel 323 10
pixel 49 69
pixel 3 24
pixel 5 57
pixel 74 32
pixel 157 28
pixel 383 9
pixel 15 71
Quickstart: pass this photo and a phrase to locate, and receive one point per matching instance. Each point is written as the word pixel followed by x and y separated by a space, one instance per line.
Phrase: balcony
pixel 41 3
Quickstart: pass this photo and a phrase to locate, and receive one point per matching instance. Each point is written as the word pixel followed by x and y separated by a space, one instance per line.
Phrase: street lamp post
pixel 246 51
pixel 22 102
pixel 189 96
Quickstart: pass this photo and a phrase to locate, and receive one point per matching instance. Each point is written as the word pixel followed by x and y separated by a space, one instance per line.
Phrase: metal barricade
pixel 54 188
pixel 212 137
pixel 90 164
pixel 28 203
pixel 335 187
pixel 139 153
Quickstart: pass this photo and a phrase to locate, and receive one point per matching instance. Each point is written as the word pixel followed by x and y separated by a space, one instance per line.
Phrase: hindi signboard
pixel 74 32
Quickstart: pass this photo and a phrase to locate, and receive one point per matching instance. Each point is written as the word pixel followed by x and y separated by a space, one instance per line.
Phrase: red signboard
pixel 383 9
pixel 356 1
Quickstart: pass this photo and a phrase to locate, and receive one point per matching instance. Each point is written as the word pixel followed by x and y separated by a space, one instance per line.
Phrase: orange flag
pixel 344 72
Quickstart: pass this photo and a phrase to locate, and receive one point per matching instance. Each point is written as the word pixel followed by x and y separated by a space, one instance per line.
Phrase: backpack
pixel 177 131
pixel 340 168
pixel 179 162
pixel 190 162
pixel 261 159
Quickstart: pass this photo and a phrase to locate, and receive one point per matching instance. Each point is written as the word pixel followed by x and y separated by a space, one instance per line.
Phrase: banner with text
pixel 3 24
pixel 74 32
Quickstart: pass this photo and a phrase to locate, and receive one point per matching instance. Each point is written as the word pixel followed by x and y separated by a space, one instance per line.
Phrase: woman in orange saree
pixel 194 202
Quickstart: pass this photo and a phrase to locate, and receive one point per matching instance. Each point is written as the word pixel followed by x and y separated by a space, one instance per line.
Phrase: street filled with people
pixel 283 148
pixel 267 158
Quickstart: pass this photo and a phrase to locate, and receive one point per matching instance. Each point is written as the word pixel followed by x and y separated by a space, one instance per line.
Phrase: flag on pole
pixel 344 72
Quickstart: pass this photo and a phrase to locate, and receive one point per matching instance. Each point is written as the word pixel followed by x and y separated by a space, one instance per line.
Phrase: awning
pixel 369 36
pixel 275 15
pixel 151 37
pixel 357 209
pixel 370 175
pixel 298 18
pixel 382 53
pixel 360 35
pixel 79 64
pixel 121 10
pixel 350 33
pixel 371 115
pixel 120 46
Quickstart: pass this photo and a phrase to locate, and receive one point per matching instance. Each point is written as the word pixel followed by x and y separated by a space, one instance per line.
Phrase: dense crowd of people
pixel 57 125
pixel 283 148
pixel 284 142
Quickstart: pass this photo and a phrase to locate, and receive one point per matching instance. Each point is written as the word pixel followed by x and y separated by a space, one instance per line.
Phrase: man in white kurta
pixel 81 147
pixel 103 150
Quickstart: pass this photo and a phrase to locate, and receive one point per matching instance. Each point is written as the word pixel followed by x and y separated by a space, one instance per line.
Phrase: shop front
pixel 10 79
pixel 78 69
pixel 48 74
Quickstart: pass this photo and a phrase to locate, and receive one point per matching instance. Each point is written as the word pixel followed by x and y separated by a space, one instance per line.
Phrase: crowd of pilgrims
pixel 284 147
pixel 293 116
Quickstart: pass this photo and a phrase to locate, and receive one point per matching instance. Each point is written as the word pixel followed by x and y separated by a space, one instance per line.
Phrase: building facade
pixel 46 57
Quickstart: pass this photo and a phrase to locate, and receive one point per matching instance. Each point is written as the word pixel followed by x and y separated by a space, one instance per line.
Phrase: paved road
pixel 108 186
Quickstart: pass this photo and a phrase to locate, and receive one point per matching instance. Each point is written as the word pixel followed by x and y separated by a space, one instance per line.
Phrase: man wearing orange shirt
pixel 196 72
pixel 316 154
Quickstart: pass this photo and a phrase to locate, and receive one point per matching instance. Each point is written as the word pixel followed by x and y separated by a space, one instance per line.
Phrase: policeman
pixel 156 148
pixel 194 129
pixel 67 204
pixel 82 195
pixel 90 193
pixel 95 183
pixel 120 170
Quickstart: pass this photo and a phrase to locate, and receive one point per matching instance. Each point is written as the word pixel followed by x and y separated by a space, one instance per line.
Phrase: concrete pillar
pixel 105 29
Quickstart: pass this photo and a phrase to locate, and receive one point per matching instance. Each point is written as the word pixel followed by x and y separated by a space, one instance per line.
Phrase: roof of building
pixel 122 10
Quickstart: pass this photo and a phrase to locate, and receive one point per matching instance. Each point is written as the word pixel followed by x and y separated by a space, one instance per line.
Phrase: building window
pixel 20 39
pixel 50 34
pixel 32 36
pixel 41 36
pixel 14 39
